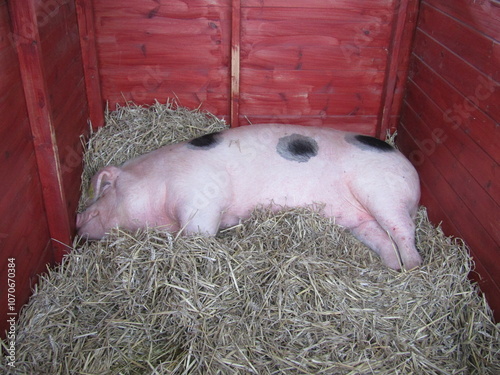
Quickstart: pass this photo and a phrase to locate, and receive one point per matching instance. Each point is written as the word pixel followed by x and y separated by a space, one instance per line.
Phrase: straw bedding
pixel 286 293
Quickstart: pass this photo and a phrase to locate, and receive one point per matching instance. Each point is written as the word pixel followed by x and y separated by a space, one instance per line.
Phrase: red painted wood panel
pixel 445 208
pixel 64 76
pixel 86 30
pixel 316 26
pixel 44 107
pixel 458 111
pixel 373 7
pixel 480 15
pixel 301 60
pixel 459 38
pixel 149 51
pixel 359 124
pixel 28 44
pixel 435 143
pixel 24 233
pixel 449 127
pixel 470 155
pixel 461 75
pixel 293 55
pixel 143 56
pixel 403 26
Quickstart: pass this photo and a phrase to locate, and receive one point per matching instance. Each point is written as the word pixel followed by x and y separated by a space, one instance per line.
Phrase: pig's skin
pixel 214 181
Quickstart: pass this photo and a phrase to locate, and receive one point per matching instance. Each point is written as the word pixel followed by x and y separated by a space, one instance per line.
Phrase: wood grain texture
pixel 450 127
pixel 479 15
pixel 63 67
pixel 458 112
pixel 450 211
pixel 24 232
pixel 41 121
pixel 405 16
pixel 158 50
pixel 358 124
pixel 316 60
pixel 467 79
pixel 309 50
pixel 45 109
pixel 86 28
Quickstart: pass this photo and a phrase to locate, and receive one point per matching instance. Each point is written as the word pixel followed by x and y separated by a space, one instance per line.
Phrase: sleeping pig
pixel 216 180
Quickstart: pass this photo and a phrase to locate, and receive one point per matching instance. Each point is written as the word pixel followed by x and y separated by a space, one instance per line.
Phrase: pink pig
pixel 216 180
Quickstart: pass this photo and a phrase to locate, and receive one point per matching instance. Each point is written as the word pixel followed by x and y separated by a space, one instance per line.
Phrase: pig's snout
pixel 89 226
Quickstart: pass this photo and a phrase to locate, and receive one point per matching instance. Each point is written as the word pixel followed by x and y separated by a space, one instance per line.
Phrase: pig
pixel 217 180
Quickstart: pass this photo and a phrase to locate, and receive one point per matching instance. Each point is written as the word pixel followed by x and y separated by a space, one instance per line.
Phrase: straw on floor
pixel 286 293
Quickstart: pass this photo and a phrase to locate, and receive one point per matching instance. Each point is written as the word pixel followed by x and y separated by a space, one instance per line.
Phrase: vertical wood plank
pixel 27 40
pixel 85 15
pixel 235 62
pixel 397 63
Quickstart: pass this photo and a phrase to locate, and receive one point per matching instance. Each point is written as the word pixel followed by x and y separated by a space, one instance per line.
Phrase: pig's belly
pixel 280 191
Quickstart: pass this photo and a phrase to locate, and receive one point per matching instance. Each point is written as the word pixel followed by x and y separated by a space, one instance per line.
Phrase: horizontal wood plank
pixel 316 32
pixel 470 155
pixel 471 45
pixel 471 82
pixel 481 15
pixel 357 124
pixel 108 26
pixel 166 52
pixel 383 6
pixel 459 112
pixel 179 9
pixel 148 81
pixel 304 81
pixel 309 104
pixel 268 56
pixel 370 14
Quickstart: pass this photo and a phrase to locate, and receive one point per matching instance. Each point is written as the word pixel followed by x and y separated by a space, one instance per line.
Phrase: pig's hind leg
pixel 372 235
pixel 392 239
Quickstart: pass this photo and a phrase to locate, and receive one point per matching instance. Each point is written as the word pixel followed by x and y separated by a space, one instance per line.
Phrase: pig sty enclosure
pixel 426 69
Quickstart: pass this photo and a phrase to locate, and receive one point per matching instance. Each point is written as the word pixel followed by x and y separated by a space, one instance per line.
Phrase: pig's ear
pixel 102 181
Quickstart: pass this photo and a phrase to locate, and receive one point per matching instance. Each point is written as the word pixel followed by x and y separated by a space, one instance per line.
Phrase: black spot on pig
pixel 365 142
pixel 296 147
pixel 205 142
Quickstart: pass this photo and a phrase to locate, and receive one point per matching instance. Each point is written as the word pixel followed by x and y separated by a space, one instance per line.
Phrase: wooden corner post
pixel 85 16
pixel 27 39
pixel 235 62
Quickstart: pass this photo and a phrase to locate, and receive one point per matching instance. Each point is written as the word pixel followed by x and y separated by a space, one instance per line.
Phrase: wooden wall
pixel 156 50
pixel 320 62
pixel 24 232
pixel 450 126
pixel 338 63
pixel 44 111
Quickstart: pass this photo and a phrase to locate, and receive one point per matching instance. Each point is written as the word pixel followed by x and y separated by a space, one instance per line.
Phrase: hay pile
pixel 279 294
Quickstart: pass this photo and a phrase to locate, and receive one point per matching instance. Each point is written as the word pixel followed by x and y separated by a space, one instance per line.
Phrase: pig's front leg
pixel 201 213
pixel 196 221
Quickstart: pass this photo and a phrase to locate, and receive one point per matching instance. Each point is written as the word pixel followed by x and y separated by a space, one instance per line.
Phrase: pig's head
pixel 100 215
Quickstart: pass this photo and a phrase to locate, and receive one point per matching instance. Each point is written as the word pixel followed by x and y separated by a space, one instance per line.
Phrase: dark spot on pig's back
pixel 368 143
pixel 296 147
pixel 205 142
